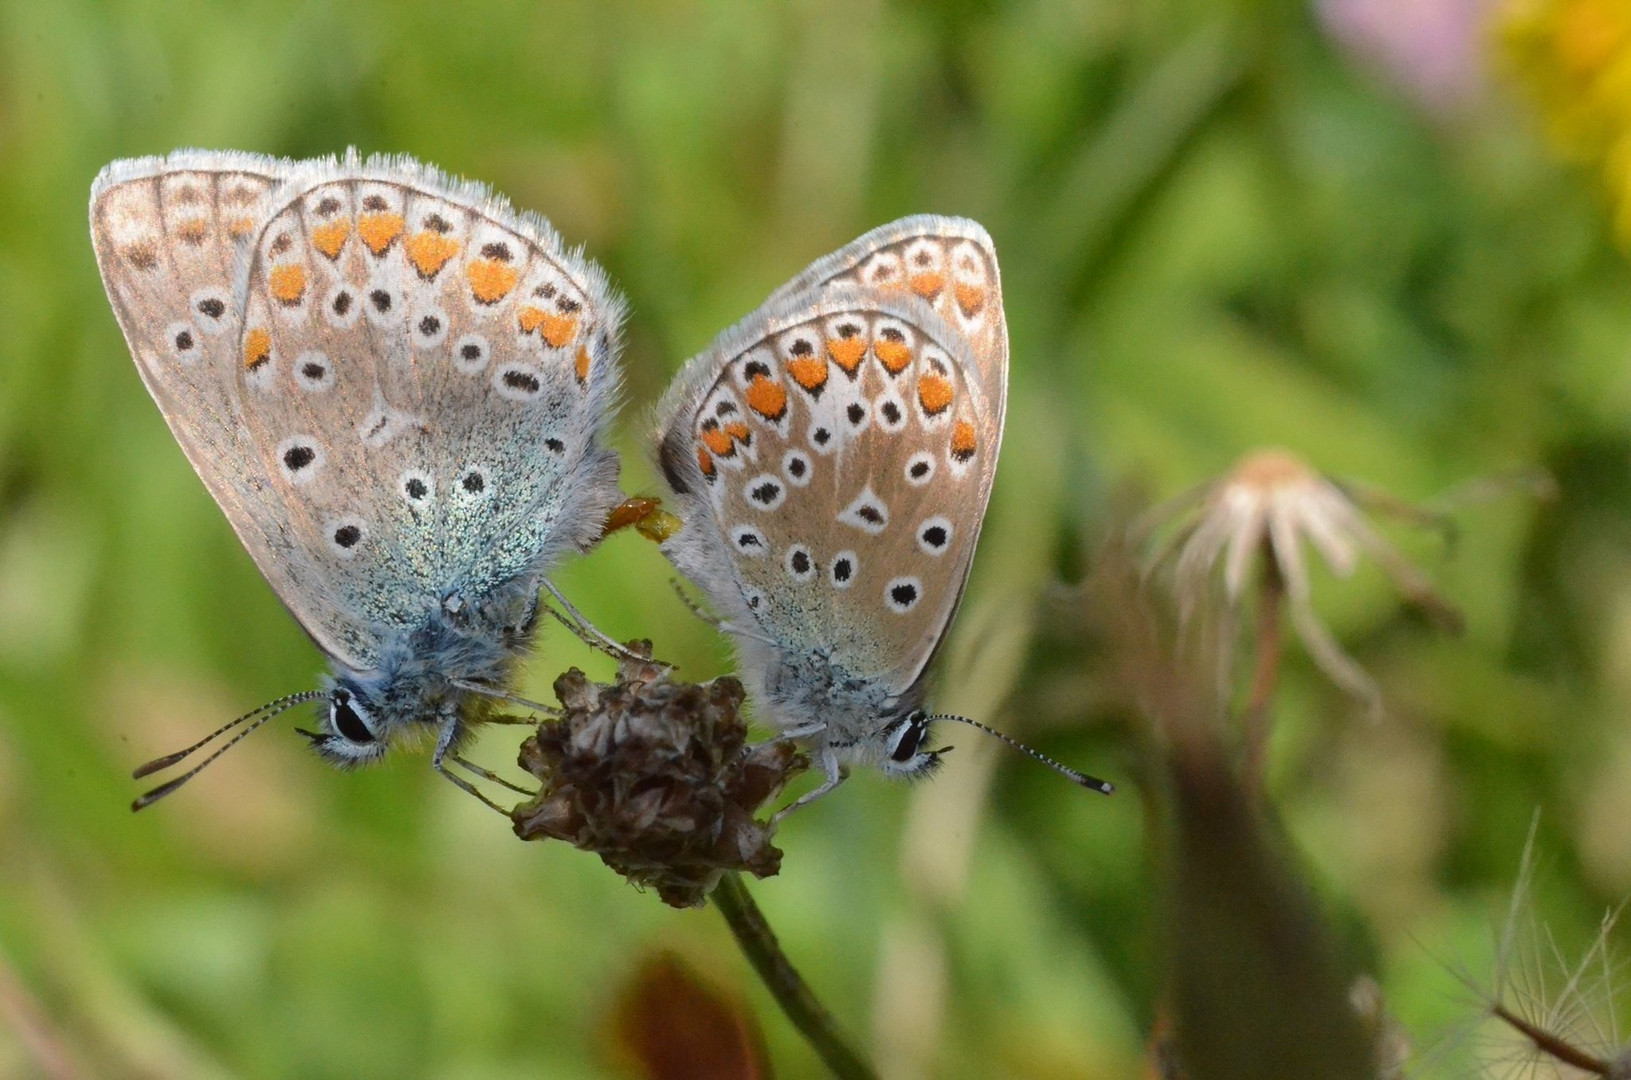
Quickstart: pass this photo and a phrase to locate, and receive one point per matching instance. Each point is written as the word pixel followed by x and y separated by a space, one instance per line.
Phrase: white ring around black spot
pixel 866 512
pixel 890 411
pixel 299 458
pixel 313 371
pixel 843 568
pixel 800 563
pixel 919 468
pixel 473 483
pixel 429 328
pixel 797 467
pixel 417 487
pixel 383 304
pixel 765 492
pixel 470 354
pixel 518 382
pixel 749 542
pixel 184 342
pixel 345 536
pixel 902 594
pixel 934 535
pixel 342 308
pixel 209 308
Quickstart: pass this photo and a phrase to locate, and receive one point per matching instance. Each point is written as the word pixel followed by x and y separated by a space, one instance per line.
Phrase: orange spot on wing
pixel 893 355
pixel 809 372
pixel 718 441
pixel 429 252
pixel 257 348
pixel 767 397
pixel 847 352
pixel 192 230
pixel 558 329
pixel 379 231
pixel 971 298
pixel 583 364
pixel 705 462
pixel 238 228
pixel 740 432
pixel 491 280
pixel 934 394
pixel 929 284
pixel 330 238
pixel 288 283
pixel 963 441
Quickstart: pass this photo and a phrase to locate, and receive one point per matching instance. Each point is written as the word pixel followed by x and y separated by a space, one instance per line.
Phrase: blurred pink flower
pixel 1432 48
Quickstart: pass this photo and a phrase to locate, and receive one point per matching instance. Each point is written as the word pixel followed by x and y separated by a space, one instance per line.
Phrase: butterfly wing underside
pixel 167 234
pixel 371 462
pixel 948 262
pixel 833 472
pixel 425 376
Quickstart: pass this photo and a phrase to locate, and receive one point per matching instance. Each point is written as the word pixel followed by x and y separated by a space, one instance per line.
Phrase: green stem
pixel 789 989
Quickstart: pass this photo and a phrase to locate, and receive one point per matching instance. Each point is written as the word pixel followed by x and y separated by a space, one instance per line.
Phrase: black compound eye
pixel 906 748
pixel 347 721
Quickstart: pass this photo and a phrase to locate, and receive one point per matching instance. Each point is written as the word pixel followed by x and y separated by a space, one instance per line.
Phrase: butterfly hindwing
pixel 426 376
pixel 948 262
pixel 834 472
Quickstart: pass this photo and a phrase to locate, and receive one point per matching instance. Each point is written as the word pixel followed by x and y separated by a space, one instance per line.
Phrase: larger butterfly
pixel 396 388
pixel 831 457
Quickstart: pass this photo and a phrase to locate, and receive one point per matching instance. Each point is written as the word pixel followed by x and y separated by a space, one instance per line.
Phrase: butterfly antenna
pixel 259 717
pixel 1103 787
pixel 168 760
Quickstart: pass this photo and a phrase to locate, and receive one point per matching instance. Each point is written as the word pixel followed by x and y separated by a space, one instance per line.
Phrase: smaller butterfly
pixel 832 456
pixel 396 388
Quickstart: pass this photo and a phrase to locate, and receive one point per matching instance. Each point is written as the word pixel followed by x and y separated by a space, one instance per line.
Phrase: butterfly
pixel 831 457
pixel 397 389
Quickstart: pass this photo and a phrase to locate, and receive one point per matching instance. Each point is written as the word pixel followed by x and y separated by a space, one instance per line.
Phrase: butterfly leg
pixel 695 608
pixel 490 775
pixel 587 632
pixel 442 754
pixel 836 774
pixel 504 695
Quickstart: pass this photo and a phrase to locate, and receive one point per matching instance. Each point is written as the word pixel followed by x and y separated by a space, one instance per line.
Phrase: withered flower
pixel 1264 508
pixel 656 777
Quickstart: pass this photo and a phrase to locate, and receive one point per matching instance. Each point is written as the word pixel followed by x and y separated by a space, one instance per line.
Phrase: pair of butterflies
pixel 398 388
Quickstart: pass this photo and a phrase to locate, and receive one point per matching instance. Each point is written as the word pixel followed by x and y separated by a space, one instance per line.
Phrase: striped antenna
pixel 1103 787
pixel 258 716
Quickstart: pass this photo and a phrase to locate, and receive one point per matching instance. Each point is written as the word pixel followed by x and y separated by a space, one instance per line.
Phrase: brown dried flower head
pixel 656 777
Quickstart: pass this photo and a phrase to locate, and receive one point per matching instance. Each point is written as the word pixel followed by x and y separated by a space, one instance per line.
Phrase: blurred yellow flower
pixel 1574 57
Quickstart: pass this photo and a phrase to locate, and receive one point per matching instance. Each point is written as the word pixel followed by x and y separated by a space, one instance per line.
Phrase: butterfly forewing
pixel 840 462
pixel 421 371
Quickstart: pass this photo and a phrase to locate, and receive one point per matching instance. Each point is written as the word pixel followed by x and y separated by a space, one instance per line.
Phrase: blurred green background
pixel 1323 226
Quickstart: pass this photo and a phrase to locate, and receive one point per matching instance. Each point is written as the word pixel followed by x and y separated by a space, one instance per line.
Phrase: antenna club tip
pixel 1103 787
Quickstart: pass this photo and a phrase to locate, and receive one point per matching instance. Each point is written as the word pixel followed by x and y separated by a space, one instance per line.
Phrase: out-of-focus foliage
pixel 1220 225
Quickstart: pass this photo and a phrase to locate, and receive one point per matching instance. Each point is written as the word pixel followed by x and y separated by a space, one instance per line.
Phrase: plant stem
pixel 789 989
pixel 1256 719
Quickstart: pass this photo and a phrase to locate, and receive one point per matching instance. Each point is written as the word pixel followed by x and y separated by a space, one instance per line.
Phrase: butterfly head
pixel 350 732
pixel 903 742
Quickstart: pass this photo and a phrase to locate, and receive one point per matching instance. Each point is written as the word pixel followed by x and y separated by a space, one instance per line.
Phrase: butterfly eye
pixel 346 718
pixel 912 731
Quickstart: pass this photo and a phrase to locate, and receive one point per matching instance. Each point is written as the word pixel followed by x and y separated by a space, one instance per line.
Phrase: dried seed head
pixel 1265 511
pixel 655 776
